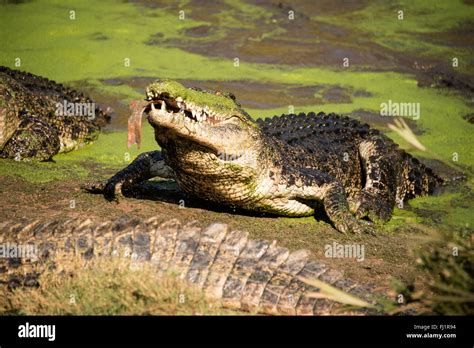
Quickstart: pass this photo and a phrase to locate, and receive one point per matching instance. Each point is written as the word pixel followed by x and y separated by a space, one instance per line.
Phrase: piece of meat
pixel 135 122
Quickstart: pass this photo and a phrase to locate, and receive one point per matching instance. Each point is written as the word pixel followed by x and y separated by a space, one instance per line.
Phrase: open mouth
pixel 189 110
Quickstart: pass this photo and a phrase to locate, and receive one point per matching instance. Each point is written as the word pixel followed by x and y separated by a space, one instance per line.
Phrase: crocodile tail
pixel 251 275
pixel 418 180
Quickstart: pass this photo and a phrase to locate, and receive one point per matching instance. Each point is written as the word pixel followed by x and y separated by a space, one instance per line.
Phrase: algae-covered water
pixel 332 56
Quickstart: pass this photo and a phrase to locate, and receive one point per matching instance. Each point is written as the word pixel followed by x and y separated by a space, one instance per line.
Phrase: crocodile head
pixel 211 119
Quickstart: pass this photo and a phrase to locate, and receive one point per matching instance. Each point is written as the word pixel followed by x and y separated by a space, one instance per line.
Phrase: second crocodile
pixel 40 118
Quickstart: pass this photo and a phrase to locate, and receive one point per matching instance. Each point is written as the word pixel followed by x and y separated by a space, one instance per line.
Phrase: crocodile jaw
pixel 222 134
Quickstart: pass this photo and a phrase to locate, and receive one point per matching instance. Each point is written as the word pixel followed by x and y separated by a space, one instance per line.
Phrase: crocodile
pixel 242 273
pixel 289 165
pixel 40 118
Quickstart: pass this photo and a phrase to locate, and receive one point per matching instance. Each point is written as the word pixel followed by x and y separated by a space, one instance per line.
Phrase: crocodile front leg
pixel 377 199
pixel 146 166
pixel 337 209
pixel 313 187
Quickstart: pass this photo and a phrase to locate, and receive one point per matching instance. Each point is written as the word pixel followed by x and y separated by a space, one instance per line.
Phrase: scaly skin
pixel 30 127
pixel 246 274
pixel 290 165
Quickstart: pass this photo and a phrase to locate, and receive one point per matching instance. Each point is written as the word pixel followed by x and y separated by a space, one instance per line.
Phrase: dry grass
pixel 400 126
pixel 332 293
pixel 107 287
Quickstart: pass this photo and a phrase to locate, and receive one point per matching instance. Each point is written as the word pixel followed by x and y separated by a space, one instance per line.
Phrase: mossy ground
pixel 109 46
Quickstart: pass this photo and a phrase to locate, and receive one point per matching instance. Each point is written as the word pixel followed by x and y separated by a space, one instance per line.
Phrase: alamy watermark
pixel 336 250
pixel 404 109
pixel 28 330
pixel 248 157
pixel 11 250
pixel 67 108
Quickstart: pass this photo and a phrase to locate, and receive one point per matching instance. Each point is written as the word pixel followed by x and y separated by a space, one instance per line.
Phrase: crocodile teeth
pixel 204 117
pixel 153 106
pixel 163 105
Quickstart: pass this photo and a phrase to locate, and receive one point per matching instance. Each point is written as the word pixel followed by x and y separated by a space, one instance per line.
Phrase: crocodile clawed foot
pixel 365 205
pixel 351 225
pixel 112 191
pixel 94 186
pixel 367 227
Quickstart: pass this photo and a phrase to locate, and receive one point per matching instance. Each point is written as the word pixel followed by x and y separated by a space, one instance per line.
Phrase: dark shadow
pixel 168 191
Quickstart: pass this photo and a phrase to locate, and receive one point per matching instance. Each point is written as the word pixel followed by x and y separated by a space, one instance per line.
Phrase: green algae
pixel 456 210
pixel 381 21
pixel 41 172
pixel 110 149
